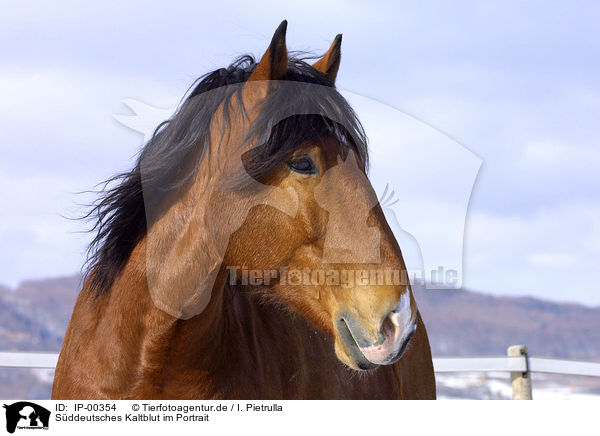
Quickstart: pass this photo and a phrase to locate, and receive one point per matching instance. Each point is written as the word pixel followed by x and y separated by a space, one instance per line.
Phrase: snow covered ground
pixel 496 386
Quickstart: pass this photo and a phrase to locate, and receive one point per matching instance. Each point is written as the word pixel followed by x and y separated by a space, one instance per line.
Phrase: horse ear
pixel 330 62
pixel 274 62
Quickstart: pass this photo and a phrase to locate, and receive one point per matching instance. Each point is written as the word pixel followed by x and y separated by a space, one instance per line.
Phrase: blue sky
pixel 515 83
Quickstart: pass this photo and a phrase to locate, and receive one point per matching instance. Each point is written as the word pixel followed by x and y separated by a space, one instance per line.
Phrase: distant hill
pixel 34 317
pixel 47 301
pixel 460 323
pixel 463 323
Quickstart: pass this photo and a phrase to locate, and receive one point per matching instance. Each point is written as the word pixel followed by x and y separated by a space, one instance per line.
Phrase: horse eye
pixel 303 165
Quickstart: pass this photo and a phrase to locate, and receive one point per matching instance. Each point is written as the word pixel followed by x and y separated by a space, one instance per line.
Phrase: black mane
pixel 119 215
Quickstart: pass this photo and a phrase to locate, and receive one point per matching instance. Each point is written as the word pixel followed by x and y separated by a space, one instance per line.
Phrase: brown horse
pixel 246 255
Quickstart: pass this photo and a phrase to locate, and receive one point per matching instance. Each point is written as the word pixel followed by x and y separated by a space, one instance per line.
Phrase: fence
pixel 517 362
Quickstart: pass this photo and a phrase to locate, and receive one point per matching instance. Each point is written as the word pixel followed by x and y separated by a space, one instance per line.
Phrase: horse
pixel 246 256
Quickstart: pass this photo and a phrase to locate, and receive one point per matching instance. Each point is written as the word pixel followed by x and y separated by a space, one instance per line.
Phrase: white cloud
pixel 547 254
pixel 555 260
pixel 551 154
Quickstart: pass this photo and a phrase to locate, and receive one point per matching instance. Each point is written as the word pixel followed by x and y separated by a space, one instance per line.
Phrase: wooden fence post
pixel 520 381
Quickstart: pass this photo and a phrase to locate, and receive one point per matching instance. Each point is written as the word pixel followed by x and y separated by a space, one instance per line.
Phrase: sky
pixel 496 102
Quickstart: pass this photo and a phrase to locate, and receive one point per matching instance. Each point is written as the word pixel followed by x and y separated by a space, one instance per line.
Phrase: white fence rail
pixel 519 366
pixel 571 367
pixel 516 364
pixel 479 364
pixel 28 360
pixel 441 364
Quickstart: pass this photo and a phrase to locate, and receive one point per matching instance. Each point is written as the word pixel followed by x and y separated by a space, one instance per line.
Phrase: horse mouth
pixel 387 351
pixel 352 347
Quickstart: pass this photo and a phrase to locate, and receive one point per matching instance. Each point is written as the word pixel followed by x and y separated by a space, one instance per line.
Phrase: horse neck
pixel 148 337
pixel 147 349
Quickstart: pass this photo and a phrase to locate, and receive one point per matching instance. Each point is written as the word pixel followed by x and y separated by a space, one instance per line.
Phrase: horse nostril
pixel 401 316
pixel 387 327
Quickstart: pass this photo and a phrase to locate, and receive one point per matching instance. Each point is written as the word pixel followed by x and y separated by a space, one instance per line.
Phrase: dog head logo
pixel 26 415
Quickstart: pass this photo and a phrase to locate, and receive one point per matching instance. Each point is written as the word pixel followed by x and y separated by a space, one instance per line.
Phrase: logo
pixel 26 415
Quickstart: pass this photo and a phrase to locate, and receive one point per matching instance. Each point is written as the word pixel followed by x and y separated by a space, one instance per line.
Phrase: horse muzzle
pixel 394 334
